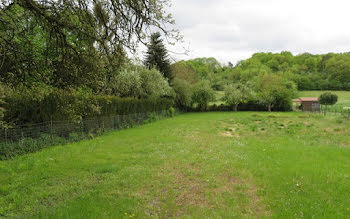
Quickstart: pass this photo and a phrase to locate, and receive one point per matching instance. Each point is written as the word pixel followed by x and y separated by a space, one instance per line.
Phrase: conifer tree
pixel 157 56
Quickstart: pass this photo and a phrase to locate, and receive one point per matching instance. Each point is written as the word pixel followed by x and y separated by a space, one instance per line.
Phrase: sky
pixel 233 30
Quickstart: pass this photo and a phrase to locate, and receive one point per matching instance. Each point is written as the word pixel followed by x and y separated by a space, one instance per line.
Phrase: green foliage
pixel 236 94
pixel 181 70
pixel 309 72
pixel 171 112
pixel 328 98
pixel 202 95
pixel 40 104
pixel 339 69
pixel 29 145
pixel 275 91
pixel 198 69
pixel 2 102
pixel 72 45
pixel 153 84
pixel 140 82
pixel 157 56
pixel 126 84
pixel 183 91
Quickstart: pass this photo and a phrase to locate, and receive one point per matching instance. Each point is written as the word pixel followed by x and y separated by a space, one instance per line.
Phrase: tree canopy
pixel 74 43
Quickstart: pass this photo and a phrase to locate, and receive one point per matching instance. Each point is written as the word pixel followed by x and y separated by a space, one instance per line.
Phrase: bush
pixel 183 93
pixel 153 84
pixel 171 112
pixel 126 84
pixel 138 81
pixel 202 95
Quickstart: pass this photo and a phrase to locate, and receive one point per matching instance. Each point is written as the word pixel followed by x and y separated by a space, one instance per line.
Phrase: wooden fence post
pixel 5 135
pixel 82 128
pixel 51 131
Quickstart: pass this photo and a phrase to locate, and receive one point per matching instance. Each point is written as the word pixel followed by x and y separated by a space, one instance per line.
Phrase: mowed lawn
pixel 289 165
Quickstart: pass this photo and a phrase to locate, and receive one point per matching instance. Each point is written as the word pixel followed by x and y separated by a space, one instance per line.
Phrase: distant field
pixel 204 165
pixel 344 96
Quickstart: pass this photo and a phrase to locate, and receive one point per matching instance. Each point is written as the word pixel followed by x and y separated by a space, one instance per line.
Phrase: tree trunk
pixel 269 107
pixel 235 107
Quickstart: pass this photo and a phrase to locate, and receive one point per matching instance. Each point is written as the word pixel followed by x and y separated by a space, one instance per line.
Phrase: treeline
pixel 201 78
pixel 267 80
pixel 309 72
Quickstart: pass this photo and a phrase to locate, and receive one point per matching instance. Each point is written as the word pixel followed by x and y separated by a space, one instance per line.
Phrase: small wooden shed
pixel 307 104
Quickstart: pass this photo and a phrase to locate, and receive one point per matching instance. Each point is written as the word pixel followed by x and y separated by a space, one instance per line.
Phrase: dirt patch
pixel 191 191
pixel 226 134
pixel 189 187
pixel 255 206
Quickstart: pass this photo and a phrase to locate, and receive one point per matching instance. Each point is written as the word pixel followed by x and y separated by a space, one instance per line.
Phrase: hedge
pixel 37 105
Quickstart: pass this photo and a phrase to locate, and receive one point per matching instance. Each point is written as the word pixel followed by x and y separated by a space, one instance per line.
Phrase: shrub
pixel 183 93
pixel 140 82
pixel 171 112
pixel 126 84
pixel 153 84
pixel 202 95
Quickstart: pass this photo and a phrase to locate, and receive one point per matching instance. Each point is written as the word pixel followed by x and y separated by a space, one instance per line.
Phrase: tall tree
pixel 63 43
pixel 157 56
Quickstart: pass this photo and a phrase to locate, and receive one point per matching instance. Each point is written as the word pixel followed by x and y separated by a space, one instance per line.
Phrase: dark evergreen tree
pixel 157 56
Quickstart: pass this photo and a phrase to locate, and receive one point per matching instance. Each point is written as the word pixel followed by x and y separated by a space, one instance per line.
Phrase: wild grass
pixel 289 165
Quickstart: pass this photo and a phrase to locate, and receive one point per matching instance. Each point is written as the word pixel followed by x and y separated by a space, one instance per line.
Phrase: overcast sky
pixel 232 30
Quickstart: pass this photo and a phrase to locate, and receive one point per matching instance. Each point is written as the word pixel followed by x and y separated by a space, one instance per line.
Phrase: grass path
pixel 202 165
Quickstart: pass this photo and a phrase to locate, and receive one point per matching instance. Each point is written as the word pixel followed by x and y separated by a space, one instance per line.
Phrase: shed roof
pixel 305 99
pixel 308 99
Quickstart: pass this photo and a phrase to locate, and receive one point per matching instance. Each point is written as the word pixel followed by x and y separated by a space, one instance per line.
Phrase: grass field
pixel 288 165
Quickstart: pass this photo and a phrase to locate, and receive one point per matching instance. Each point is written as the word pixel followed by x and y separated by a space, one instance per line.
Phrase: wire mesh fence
pixel 340 111
pixel 29 138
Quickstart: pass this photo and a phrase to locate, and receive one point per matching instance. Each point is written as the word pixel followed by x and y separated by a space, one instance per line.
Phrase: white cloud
pixel 231 30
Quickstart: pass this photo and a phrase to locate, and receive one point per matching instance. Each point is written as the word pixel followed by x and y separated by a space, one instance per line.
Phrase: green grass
pixel 280 165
